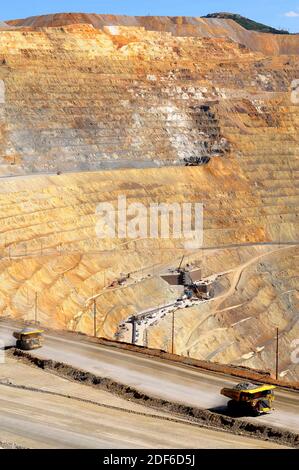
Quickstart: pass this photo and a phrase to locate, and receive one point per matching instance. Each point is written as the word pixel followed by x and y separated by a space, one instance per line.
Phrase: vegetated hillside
pixel 247 23
pixel 124 99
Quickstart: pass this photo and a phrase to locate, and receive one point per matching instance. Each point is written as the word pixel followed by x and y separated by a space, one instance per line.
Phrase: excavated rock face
pixel 123 97
pixel 179 26
pixel 135 97
pixel 96 100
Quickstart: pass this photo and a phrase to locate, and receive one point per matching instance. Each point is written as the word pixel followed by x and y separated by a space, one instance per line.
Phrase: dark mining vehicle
pixel 247 398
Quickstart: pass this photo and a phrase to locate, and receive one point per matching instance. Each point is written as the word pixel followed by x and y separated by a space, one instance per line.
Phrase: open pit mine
pixel 156 110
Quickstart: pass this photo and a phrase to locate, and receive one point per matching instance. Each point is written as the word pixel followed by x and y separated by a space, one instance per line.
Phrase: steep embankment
pixel 115 97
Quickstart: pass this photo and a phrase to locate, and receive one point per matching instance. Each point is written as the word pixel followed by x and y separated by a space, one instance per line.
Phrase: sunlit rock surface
pixel 120 104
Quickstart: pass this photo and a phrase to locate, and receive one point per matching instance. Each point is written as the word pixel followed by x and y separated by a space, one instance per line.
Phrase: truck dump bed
pixel 245 394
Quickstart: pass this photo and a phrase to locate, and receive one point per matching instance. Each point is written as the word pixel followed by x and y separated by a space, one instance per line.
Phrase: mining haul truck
pixel 247 398
pixel 28 339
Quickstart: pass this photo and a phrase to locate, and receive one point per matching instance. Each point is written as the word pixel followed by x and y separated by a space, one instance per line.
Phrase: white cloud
pixel 292 14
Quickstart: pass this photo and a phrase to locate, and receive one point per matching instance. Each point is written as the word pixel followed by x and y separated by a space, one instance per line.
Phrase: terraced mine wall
pixel 87 103
pixel 182 26
pixel 93 99
pixel 137 102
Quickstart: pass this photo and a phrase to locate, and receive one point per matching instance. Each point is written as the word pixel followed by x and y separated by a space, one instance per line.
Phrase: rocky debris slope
pixel 5 26
pixel 124 99
pixel 247 23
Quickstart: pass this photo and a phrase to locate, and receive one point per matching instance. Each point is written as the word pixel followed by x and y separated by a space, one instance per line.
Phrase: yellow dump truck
pixel 28 339
pixel 248 398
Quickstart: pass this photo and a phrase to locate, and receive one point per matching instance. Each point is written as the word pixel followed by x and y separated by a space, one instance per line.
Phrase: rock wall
pixel 116 110
pixel 93 99
pixel 182 26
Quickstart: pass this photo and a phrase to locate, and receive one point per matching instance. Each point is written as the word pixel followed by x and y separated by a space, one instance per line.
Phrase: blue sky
pixel 278 13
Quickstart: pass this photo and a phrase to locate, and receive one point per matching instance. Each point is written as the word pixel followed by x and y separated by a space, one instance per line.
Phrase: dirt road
pixel 156 377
